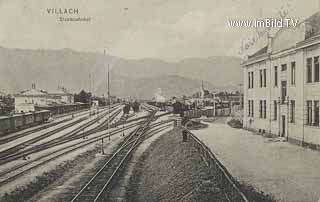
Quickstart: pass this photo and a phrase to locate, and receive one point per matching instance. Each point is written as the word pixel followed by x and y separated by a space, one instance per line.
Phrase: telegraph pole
pixel 102 150
pixel 240 92
pixel 108 94
pixel 214 104
pixel 90 98
pixel 108 97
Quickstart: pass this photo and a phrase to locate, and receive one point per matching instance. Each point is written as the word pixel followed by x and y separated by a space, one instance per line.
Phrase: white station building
pixel 282 85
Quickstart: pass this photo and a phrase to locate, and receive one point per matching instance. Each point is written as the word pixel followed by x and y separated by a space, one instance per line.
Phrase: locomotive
pixel 20 121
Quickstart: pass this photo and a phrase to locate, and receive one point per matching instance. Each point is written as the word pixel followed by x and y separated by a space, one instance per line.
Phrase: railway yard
pixel 108 155
pixel 30 154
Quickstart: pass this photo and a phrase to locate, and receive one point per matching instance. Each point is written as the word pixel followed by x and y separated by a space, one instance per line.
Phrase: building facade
pixel 282 85
pixel 28 100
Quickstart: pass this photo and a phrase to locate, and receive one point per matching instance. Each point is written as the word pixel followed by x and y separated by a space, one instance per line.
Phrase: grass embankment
pixel 173 171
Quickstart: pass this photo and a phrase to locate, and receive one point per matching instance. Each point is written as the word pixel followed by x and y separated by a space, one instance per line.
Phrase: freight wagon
pixel 19 121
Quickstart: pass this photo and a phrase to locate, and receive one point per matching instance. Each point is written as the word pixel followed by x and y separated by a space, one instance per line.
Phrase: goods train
pixel 19 121
pixel 161 105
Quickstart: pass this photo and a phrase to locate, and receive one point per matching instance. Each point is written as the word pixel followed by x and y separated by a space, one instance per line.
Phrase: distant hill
pixel 137 78
pixel 147 87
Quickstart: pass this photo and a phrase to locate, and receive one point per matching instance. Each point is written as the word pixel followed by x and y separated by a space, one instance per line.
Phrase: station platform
pixel 288 172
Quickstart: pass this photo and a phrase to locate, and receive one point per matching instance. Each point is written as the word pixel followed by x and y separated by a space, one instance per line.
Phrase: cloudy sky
pixel 165 29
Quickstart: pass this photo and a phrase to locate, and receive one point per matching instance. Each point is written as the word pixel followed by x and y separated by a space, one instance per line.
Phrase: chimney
pixel 269 38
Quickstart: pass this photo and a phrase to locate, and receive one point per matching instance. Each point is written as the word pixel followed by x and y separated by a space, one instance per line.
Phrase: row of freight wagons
pixel 207 112
pixel 18 121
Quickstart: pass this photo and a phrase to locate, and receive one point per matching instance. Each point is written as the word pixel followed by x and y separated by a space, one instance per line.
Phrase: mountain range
pixel 76 70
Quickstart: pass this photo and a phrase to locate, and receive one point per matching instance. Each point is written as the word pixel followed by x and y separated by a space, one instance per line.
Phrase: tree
pixel 83 97
pixel 135 106
pixel 126 109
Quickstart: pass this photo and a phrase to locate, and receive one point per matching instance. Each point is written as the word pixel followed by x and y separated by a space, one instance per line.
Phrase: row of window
pixel 263 78
pixel 313 73
pixel 313 64
pixel 263 75
pixel 263 109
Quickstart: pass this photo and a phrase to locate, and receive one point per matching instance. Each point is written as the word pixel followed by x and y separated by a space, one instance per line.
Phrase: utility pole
pixel 214 104
pixel 123 129
pixel 90 98
pixel 108 97
pixel 241 104
pixel 108 94
pixel 102 150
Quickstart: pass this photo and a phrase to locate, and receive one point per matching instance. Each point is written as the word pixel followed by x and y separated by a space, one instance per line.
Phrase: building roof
pixel 2 93
pixel 304 33
pixel 262 51
pixel 61 91
pixel 34 92
pixel 313 23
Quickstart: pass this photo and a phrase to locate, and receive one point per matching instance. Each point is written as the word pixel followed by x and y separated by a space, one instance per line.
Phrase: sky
pixel 165 29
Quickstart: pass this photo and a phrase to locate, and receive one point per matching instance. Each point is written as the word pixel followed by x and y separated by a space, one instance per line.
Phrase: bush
pixel 235 123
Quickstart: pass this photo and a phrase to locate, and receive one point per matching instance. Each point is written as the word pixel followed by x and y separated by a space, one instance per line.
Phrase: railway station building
pixel 282 85
pixel 29 100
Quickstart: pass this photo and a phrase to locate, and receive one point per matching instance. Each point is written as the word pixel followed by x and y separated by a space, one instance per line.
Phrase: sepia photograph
pixel 159 101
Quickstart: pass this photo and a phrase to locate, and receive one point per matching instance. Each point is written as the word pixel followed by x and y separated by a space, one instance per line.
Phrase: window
pixel 316 69
pixel 252 80
pixel 265 77
pixel 316 113
pixel 249 80
pixel 252 108
pixel 309 70
pixel 275 109
pixel 265 109
pixel 309 112
pixel 261 79
pixel 293 73
pixel 260 109
pixel 292 110
pixel 284 67
pixel 283 91
pixel 275 76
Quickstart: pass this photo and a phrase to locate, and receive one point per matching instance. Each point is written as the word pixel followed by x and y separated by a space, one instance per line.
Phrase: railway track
pixel 22 145
pixel 100 182
pixel 19 151
pixel 22 169
pixel 10 137
pixel 15 137
pixel 149 108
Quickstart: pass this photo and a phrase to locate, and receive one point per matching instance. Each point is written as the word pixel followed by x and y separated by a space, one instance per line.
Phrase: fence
pixel 227 182
pixel 197 113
